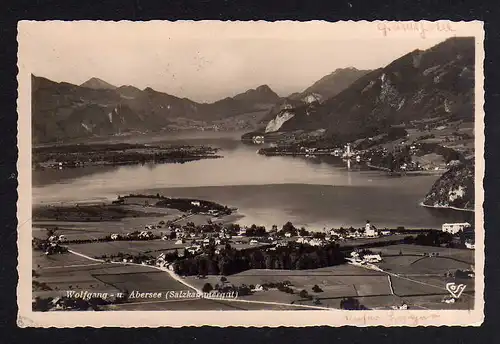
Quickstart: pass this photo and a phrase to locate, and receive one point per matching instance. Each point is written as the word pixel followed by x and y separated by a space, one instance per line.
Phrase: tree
pixel 51 232
pixel 317 289
pixel 288 227
pixel 303 232
pixel 303 294
pixel 223 279
pixel 207 288
pixel 349 304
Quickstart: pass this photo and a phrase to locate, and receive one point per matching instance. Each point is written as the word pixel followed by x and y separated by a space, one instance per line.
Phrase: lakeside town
pixel 430 146
pixel 201 250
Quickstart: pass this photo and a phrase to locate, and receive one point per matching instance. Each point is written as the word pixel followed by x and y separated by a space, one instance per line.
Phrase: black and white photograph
pixel 273 167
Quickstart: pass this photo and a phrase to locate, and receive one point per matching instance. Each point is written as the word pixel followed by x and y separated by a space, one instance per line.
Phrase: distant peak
pixel 97 83
pixel 264 88
pixel 346 69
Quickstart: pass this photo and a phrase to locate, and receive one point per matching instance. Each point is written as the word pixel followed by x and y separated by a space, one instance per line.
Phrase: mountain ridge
pixel 326 87
pixel 436 82
pixel 62 110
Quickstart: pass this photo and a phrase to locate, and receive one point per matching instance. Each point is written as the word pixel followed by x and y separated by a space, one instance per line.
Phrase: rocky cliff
pixel 454 189
pixel 306 101
pixel 438 82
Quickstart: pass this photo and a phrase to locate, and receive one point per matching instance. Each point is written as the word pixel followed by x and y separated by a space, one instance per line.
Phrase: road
pixel 376 268
pixel 197 290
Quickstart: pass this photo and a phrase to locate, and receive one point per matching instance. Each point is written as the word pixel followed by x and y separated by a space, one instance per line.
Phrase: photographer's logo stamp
pixel 455 290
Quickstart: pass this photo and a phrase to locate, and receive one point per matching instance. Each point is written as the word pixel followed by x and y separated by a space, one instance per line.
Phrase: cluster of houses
pixel 454 228
pixel 461 227
pixel 54 246
pixel 55 239
pixel 368 231
pixel 211 212
pixel 142 235
pixel 363 258
pixel 312 241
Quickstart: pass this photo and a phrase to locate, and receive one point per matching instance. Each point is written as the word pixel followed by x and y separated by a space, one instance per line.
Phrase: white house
pixel 288 234
pixel 258 287
pixel 179 242
pixel 315 242
pixel 194 249
pixel 114 236
pixel 253 242
pixel 453 228
pixel 372 258
pixel 385 232
pixel 195 203
pixel 145 235
pixel 370 230
pixel 470 244
pixel 302 240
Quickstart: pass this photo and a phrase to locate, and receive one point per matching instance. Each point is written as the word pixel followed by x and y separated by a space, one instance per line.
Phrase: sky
pixel 204 61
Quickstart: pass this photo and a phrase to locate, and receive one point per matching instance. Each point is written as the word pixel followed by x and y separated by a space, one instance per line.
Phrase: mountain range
pixel 348 103
pixel 62 111
pixel 438 82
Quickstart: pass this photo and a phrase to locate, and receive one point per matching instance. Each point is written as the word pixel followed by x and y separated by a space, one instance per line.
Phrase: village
pixel 198 242
pixel 430 146
pixel 365 248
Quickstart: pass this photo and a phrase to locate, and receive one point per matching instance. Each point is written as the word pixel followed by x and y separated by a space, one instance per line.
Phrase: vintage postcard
pixel 250 173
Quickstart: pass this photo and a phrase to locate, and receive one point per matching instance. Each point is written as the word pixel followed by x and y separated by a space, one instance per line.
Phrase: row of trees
pixel 432 238
pixel 231 261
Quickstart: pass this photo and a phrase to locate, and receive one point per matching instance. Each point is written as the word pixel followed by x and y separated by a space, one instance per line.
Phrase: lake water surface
pixel 315 193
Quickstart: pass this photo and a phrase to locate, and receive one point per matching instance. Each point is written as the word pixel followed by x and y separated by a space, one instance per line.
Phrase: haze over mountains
pixel 437 82
pixel 64 111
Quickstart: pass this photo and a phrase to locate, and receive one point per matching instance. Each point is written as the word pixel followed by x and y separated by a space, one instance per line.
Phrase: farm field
pixel 336 282
pixel 91 276
pixel 93 230
pixel 132 247
pixel 461 254
pixel 194 305
pixel 150 281
pixel 421 265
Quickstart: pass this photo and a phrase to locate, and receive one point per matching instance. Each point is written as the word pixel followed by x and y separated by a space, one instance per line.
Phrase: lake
pixel 315 193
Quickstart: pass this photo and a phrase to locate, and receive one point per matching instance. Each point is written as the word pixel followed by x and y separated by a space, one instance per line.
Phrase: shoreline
pixel 445 207
pixel 402 173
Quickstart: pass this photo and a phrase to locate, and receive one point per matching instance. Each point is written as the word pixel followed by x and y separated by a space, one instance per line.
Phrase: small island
pixel 102 154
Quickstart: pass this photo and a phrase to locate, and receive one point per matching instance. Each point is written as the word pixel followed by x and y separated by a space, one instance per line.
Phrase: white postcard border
pixel 344 30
